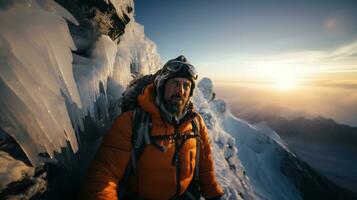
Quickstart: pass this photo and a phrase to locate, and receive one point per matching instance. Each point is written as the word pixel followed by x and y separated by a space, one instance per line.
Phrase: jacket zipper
pixel 178 145
pixel 177 161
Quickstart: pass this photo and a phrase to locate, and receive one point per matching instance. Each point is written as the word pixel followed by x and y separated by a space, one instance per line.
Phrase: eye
pixel 186 85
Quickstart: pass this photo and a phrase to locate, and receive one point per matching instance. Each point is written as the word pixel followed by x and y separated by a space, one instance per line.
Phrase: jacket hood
pixel 147 102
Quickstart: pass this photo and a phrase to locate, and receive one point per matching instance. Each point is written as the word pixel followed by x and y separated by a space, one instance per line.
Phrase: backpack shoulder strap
pixel 193 191
pixel 140 134
pixel 141 127
pixel 196 130
pixel 196 126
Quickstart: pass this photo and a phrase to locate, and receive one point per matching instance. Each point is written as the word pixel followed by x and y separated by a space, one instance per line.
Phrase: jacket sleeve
pixel 208 184
pixel 110 162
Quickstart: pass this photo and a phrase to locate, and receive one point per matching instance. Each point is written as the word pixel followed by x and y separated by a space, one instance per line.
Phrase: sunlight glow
pixel 285 84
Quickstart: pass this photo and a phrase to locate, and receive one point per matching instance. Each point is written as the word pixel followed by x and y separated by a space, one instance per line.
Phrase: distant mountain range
pixel 327 146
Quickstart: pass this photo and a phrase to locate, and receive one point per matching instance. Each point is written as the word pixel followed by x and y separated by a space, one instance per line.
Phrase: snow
pixel 12 170
pixel 229 170
pixel 89 72
pixel 255 152
pixel 140 49
pixel 261 156
pixel 121 6
pixel 43 92
pixel 272 135
pixel 206 87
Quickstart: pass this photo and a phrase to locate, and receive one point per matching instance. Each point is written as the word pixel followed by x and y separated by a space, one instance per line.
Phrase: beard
pixel 175 104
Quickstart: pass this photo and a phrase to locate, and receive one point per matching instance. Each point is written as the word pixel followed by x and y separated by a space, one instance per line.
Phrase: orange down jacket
pixel 156 176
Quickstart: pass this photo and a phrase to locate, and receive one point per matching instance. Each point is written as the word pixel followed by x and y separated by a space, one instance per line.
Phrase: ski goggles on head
pixel 175 66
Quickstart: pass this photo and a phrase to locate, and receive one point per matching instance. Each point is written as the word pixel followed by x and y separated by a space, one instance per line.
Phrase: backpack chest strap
pixel 184 136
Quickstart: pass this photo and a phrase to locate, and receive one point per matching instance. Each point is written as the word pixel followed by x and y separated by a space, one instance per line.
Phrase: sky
pixel 233 34
pixel 287 45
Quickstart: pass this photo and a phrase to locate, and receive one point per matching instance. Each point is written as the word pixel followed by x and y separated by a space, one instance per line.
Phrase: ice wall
pixel 35 68
pixel 40 77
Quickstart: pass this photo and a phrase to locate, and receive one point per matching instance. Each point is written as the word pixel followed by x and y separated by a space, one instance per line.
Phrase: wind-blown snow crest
pixel 272 135
pixel 229 170
pixel 43 92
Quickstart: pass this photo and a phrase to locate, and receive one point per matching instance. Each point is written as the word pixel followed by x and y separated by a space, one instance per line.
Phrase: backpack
pixel 141 132
pixel 129 99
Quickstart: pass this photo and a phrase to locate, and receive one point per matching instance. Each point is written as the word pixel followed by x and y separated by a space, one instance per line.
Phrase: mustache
pixel 177 96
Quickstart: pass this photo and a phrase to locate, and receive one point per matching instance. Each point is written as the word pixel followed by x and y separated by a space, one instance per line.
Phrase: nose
pixel 180 88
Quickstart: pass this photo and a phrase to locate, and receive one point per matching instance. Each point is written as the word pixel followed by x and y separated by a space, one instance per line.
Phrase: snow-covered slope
pixel 229 169
pixel 261 155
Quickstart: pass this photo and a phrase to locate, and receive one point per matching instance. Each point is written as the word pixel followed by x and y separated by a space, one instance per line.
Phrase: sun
pixel 278 75
pixel 285 84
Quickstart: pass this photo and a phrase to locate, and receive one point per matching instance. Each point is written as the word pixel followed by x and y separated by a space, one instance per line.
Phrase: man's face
pixel 176 94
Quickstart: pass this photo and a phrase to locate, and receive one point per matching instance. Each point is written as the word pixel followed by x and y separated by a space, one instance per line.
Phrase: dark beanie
pixel 183 72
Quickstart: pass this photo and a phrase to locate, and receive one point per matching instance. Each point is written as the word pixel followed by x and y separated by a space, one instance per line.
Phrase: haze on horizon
pixel 295 54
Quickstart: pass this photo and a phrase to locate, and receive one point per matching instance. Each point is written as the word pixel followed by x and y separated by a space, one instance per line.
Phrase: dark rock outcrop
pixel 310 183
pixel 95 18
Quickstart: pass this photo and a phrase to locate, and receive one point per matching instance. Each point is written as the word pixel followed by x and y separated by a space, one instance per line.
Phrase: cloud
pixel 337 103
pixel 302 67
pixel 307 63
pixel 328 81
pixel 347 51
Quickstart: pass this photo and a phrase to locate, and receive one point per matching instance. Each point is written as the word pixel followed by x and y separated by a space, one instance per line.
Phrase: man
pixel 164 161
